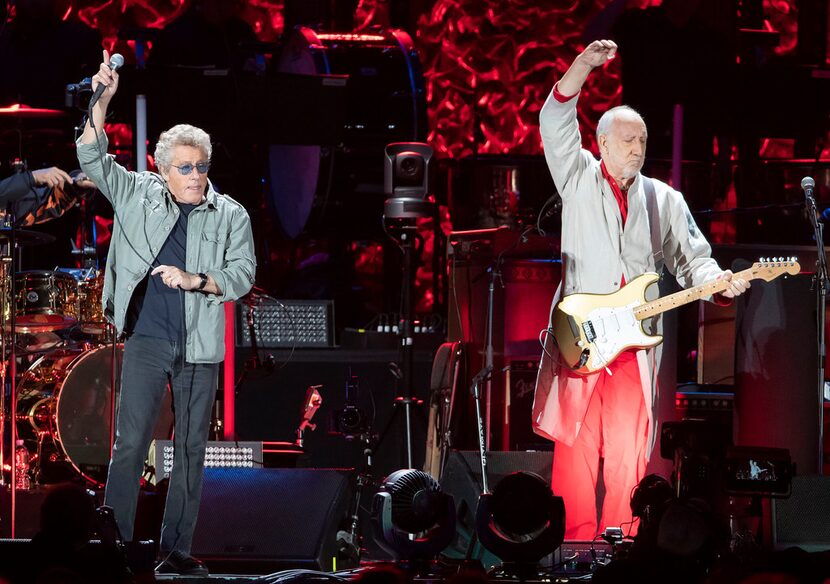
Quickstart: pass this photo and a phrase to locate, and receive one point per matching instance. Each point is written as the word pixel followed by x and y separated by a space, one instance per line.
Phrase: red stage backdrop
pixel 487 62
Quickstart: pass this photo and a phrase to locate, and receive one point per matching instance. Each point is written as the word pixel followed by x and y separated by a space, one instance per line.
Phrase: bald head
pixel 622 135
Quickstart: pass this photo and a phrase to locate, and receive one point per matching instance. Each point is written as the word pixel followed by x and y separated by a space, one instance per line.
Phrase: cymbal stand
pixel 5 276
pixel 12 370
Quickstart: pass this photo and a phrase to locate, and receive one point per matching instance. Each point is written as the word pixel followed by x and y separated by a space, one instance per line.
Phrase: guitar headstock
pixel 770 268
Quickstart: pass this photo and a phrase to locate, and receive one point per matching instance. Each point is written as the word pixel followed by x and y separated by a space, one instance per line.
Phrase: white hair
pixel 610 116
pixel 180 135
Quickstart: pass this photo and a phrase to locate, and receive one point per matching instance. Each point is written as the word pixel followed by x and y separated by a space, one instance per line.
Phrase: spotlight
pixel 413 518
pixel 521 521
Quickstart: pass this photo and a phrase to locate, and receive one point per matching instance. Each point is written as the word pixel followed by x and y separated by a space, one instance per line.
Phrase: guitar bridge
pixel 588 329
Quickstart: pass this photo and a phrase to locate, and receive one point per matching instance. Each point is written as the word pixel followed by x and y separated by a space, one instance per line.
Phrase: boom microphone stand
pixel 820 282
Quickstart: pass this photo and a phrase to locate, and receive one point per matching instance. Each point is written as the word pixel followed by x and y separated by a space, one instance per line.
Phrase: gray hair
pixel 610 116
pixel 180 135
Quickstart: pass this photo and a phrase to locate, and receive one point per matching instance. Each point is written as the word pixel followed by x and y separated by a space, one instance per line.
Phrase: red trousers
pixel 615 428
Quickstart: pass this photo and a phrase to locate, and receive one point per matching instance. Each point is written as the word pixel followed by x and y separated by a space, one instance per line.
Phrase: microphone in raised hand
pixel 116 62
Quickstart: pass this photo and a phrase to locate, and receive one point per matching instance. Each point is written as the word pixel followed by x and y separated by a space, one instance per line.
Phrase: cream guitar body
pixel 591 330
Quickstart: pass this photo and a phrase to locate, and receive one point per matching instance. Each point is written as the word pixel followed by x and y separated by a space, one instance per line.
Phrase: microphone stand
pixel 820 282
pixel 483 375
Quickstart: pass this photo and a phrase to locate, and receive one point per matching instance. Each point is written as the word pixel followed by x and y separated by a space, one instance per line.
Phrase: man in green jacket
pixel 179 250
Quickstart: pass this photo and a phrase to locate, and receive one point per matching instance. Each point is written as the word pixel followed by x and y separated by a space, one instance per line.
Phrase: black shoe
pixel 178 562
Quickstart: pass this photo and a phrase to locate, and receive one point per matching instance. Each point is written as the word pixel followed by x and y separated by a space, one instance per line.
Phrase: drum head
pixel 46 300
pixel 83 413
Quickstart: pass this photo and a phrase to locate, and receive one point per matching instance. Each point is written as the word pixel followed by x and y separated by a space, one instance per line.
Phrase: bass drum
pixel 63 413
pixel 330 180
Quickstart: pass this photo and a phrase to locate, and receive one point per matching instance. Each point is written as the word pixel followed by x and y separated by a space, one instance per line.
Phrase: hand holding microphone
pixel 105 82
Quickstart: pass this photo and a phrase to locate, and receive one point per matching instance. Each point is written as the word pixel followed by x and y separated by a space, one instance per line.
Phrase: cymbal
pixel 19 110
pixel 26 236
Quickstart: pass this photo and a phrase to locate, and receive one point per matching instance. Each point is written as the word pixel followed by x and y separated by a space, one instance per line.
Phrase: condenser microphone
pixel 116 62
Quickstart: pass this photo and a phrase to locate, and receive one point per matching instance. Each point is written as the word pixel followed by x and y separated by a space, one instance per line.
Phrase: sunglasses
pixel 186 169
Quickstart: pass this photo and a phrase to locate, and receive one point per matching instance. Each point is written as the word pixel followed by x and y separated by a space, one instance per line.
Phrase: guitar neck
pixel 677 299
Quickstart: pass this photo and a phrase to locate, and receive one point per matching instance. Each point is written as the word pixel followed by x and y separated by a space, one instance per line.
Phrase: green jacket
pixel 219 243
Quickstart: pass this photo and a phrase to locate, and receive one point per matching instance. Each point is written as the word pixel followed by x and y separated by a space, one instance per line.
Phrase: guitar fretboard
pixel 767 271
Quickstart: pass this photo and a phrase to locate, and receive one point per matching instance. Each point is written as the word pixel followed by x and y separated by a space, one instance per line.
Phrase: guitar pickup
pixel 588 329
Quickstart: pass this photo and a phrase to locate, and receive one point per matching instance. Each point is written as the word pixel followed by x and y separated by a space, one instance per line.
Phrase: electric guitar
pixel 590 330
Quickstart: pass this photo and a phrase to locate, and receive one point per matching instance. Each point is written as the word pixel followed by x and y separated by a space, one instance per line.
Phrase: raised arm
pixel 109 78
pixel 597 54
pixel 558 122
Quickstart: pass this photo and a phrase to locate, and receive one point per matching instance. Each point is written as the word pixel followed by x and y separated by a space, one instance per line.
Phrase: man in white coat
pixel 606 242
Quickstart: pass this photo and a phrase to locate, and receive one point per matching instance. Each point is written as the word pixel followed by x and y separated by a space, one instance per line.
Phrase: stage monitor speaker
pixel 462 479
pixel 280 517
pixel 803 519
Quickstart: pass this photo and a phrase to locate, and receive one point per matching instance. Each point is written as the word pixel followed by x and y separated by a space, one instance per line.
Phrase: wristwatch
pixel 203 280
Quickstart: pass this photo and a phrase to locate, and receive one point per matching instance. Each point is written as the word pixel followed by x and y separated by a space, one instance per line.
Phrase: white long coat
pixel 596 251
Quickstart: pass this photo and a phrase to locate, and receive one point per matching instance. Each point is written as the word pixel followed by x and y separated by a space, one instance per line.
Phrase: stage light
pixel 521 521
pixel 412 517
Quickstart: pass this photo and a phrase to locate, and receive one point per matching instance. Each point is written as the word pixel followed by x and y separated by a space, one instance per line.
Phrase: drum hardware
pixel 64 413
pixel 11 240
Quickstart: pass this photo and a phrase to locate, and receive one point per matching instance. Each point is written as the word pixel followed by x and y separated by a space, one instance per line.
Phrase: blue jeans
pixel 149 365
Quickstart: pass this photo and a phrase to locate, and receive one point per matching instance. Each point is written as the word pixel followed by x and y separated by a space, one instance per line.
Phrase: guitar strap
pixel 654 224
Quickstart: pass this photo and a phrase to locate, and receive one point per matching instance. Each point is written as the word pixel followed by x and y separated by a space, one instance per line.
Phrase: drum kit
pixel 54 334
pixel 66 353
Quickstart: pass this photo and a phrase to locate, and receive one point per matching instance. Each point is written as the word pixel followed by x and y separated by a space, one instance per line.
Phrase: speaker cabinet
pixel 803 519
pixel 777 397
pixel 269 404
pixel 286 518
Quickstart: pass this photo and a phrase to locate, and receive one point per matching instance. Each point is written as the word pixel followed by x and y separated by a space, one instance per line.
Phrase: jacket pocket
pixel 212 252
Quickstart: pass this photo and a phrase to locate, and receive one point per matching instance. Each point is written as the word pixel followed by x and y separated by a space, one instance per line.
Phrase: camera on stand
pixel 77 95
pixel 406 181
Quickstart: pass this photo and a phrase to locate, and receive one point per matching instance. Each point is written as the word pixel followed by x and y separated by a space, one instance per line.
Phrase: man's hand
pixel 107 77
pixel 737 286
pixel 51 177
pixel 595 55
pixel 176 278
pixel 598 53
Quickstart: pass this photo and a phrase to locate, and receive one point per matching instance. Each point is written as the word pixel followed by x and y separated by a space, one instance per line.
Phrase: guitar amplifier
pixel 217 455
pixel 717 407
pixel 285 323
pixel 520 384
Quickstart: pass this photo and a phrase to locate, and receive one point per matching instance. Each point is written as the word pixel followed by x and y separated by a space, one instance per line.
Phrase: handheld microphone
pixel 116 62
